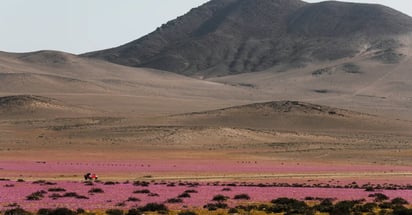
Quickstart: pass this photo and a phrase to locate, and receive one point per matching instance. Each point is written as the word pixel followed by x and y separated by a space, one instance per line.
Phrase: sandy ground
pixel 103 113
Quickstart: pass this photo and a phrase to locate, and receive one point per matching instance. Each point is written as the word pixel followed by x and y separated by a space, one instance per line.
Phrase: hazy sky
pixel 78 26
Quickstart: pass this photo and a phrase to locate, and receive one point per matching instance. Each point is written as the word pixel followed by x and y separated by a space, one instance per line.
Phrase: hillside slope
pixel 225 37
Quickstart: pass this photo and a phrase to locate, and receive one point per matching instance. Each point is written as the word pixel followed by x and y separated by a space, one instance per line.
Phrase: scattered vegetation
pixel 96 190
pixel 220 198
pixel 36 196
pixel 187 213
pixel 174 200
pixel 184 195
pixel 242 197
pixel 133 199
pixel 154 207
pixel 191 191
pixel 114 212
pixel 141 183
pixel 110 183
pixel 17 211
pixel 56 189
pixel 145 191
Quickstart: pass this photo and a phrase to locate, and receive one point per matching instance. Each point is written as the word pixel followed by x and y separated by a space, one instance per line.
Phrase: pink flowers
pixel 126 195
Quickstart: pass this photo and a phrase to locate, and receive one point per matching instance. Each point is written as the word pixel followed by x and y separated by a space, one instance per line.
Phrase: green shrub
pixel 399 201
pixel 184 195
pixel 44 211
pixel 114 212
pixel 96 190
pixel 154 207
pixel 174 200
pixel 215 206
pixel 62 211
pixel 187 213
pixel 220 198
pixel 379 197
pixel 17 211
pixel 36 196
pixel 191 191
pixel 242 196
pixel 145 191
pixel 134 211
pixel 133 199
pixel 56 189
pixel 343 208
pixel 233 211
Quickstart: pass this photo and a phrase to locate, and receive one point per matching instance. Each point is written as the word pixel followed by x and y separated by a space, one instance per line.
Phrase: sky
pixel 79 26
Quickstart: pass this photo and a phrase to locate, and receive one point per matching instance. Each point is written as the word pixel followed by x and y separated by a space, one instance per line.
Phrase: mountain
pixel 226 37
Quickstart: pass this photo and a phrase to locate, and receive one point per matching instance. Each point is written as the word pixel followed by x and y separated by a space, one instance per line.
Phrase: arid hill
pixel 291 116
pixel 30 106
pixel 226 37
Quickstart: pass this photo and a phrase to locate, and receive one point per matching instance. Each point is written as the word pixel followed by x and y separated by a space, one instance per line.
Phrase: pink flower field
pixel 126 195
pixel 66 189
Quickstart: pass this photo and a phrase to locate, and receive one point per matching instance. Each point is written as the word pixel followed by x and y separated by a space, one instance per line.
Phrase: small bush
pixel 242 197
pixel 343 208
pixel 145 191
pixel 96 190
pixel 80 211
pixel 174 200
pixel 133 199
pixel 325 206
pixel 400 210
pixel 55 196
pixel 187 213
pixel 386 205
pixel 220 198
pixel 36 196
pixel 368 207
pixel 233 211
pixel 62 211
pixel 134 211
pixel 154 207
pixel 110 183
pixel 226 189
pixel 13 205
pixel 379 197
pixel 44 211
pixel 290 206
pixel 82 197
pixel 184 195
pixel 120 204
pixel 20 180
pixel 153 195
pixel 70 194
pixel 215 206
pixel 141 183
pixel 56 189
pixel 88 183
pixel 17 211
pixel 399 201
pixel 114 212
pixel 190 191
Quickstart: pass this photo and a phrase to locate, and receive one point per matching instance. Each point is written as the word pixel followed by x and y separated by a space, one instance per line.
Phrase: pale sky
pixel 79 26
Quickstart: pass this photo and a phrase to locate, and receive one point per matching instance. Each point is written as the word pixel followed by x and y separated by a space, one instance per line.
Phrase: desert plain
pixel 134 124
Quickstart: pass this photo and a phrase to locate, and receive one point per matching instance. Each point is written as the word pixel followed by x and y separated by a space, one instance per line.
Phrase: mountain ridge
pixel 238 36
